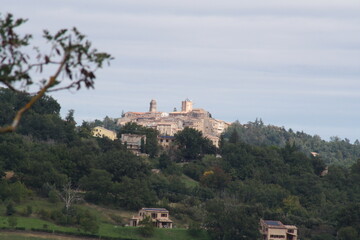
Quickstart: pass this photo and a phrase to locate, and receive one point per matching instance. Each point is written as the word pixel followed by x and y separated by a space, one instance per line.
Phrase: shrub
pixel 44 214
pixel 53 196
pixel 29 210
pixel 194 229
pixel 147 228
pixel 10 209
pixel 12 222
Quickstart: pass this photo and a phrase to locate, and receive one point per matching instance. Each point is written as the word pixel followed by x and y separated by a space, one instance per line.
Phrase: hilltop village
pixel 170 123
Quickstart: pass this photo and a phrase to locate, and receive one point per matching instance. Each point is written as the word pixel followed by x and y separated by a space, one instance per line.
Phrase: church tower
pixel 186 106
pixel 153 107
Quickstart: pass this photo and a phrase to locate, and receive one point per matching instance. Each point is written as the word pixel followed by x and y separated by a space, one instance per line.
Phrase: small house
pixel 159 217
pixel 276 230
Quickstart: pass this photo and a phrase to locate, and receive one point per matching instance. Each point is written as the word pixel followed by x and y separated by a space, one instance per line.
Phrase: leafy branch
pixel 71 58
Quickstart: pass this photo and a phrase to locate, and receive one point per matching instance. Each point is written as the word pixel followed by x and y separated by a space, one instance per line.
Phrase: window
pixel 277 236
pixel 163 215
pixel 153 215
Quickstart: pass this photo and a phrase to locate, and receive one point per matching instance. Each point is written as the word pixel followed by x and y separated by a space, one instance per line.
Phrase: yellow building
pixel 103 132
pixel 276 230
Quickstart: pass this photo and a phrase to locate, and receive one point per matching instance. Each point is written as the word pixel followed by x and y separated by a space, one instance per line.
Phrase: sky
pixel 294 64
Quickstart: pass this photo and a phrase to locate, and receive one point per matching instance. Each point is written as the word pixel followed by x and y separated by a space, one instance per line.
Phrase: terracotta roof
pixel 137 112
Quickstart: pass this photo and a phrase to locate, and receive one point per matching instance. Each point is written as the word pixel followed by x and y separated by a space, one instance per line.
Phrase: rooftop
pixel 274 224
pixel 155 209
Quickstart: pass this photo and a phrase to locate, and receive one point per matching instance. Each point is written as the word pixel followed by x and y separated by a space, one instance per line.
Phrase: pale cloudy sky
pixel 292 63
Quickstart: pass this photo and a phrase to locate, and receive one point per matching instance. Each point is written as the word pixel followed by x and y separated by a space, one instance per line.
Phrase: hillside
pixel 336 151
pixel 225 195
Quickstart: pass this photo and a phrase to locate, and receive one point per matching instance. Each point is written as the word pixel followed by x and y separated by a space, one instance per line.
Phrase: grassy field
pixel 110 221
pixel 189 182
pixel 160 234
pixel 105 229
pixel 29 236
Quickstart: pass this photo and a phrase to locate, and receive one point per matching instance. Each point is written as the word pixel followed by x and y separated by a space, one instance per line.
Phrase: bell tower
pixel 153 107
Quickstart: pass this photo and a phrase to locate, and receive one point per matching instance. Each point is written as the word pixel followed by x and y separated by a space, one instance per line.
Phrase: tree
pixel 216 178
pixel 348 233
pixel 69 196
pixel 192 144
pixel 97 184
pixel 71 56
pixel 10 209
pixel 231 222
pixel 89 223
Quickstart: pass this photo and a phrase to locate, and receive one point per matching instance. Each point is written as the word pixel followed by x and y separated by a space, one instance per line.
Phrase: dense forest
pixel 336 151
pixel 253 174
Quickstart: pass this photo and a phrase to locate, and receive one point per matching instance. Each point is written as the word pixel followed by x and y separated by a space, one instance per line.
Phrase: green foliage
pixel 12 221
pixel 192 144
pixel 231 222
pixel 147 227
pixel 348 233
pixel 194 229
pixel 335 151
pixel 133 193
pixel 123 163
pixel 215 178
pixel 15 191
pixel 29 210
pixel 53 196
pixel 253 181
pixel 88 222
pixel 107 122
pixel 10 209
pixel 97 184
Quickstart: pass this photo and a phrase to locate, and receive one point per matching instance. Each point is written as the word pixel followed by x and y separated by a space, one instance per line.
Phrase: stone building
pixel 166 141
pixel 186 106
pixel 133 141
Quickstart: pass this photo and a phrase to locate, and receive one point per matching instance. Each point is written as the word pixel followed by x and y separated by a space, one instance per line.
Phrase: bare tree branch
pixel 69 195
pixel 73 54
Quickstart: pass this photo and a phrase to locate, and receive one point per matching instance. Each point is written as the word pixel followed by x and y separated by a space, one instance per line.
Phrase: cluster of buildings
pixel 269 229
pixel 168 124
